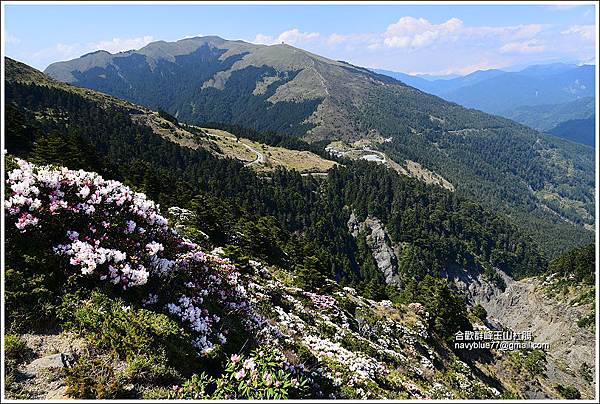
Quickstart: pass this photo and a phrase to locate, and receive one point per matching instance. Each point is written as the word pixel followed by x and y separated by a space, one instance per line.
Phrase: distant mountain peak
pixel 100 51
pixel 284 74
pixel 288 90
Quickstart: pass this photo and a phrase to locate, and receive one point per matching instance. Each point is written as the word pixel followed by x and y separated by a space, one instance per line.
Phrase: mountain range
pixel 393 265
pixel 540 96
pixel 339 227
pixel 495 91
pixel 544 183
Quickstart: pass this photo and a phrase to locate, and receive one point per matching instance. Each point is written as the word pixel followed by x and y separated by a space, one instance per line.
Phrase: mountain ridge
pixel 542 90
pixel 279 245
pixel 284 89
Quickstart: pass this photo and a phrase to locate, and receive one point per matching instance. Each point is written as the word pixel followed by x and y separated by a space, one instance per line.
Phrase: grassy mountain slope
pixel 132 151
pixel 223 145
pixel 544 183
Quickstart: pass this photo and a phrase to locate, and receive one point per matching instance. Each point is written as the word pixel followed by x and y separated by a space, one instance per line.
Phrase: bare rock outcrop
pixel 380 245
pixel 523 306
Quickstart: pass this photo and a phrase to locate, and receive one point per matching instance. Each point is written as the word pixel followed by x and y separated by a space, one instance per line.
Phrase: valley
pixel 284 89
pixel 218 219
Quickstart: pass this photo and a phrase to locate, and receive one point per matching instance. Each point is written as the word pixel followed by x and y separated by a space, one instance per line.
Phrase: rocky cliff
pixel 523 306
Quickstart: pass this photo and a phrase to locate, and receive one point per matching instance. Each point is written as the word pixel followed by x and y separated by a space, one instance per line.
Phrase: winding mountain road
pixel 260 158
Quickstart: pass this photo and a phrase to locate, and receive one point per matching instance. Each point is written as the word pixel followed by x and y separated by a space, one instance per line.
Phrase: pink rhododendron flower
pixel 119 236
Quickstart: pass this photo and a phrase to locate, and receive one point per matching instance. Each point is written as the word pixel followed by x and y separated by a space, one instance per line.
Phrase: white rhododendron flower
pixel 153 248
pixel 118 236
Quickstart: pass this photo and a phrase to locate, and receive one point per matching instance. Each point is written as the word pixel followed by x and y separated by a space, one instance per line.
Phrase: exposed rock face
pixel 386 254
pixel 40 376
pixel 56 361
pixel 474 284
pixel 380 245
pixel 524 307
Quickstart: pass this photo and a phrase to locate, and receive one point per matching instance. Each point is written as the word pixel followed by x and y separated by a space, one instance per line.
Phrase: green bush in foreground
pixel 14 347
pixel 128 332
pixel 92 378
pixel 264 375
pixel 15 350
pixel 535 362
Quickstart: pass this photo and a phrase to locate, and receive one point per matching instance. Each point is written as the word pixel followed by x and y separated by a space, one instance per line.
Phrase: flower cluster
pixel 351 350
pixel 265 374
pixel 190 310
pixel 111 233
pixel 321 301
pixel 107 229
pixel 89 256
pixel 361 366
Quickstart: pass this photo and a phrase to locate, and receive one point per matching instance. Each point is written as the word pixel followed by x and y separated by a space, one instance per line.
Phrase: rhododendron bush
pixel 265 374
pixel 109 233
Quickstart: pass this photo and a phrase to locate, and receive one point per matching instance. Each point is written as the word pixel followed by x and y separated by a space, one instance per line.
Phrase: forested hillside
pixel 440 227
pixel 289 303
pixel 543 183
pixel 144 311
pixel 547 116
pixel 577 130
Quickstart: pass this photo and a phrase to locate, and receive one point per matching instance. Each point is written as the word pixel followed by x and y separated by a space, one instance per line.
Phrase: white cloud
pixel 351 42
pixel 67 51
pixel 448 46
pixel 294 36
pixel 410 32
pixel 291 37
pixel 461 69
pixel 11 39
pixel 62 51
pixel 192 36
pixel 59 51
pixel 122 44
pixel 264 39
pixel 335 39
pixel 523 31
pixel 531 46
pixel 417 33
pixel 587 32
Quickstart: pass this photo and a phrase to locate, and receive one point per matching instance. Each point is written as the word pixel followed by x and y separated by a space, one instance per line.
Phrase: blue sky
pixel 435 39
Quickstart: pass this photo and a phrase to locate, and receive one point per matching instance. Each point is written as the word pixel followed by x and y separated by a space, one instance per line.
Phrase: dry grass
pixel 245 150
pixel 362 148
pixel 302 161
pixel 228 146
pixel 416 170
